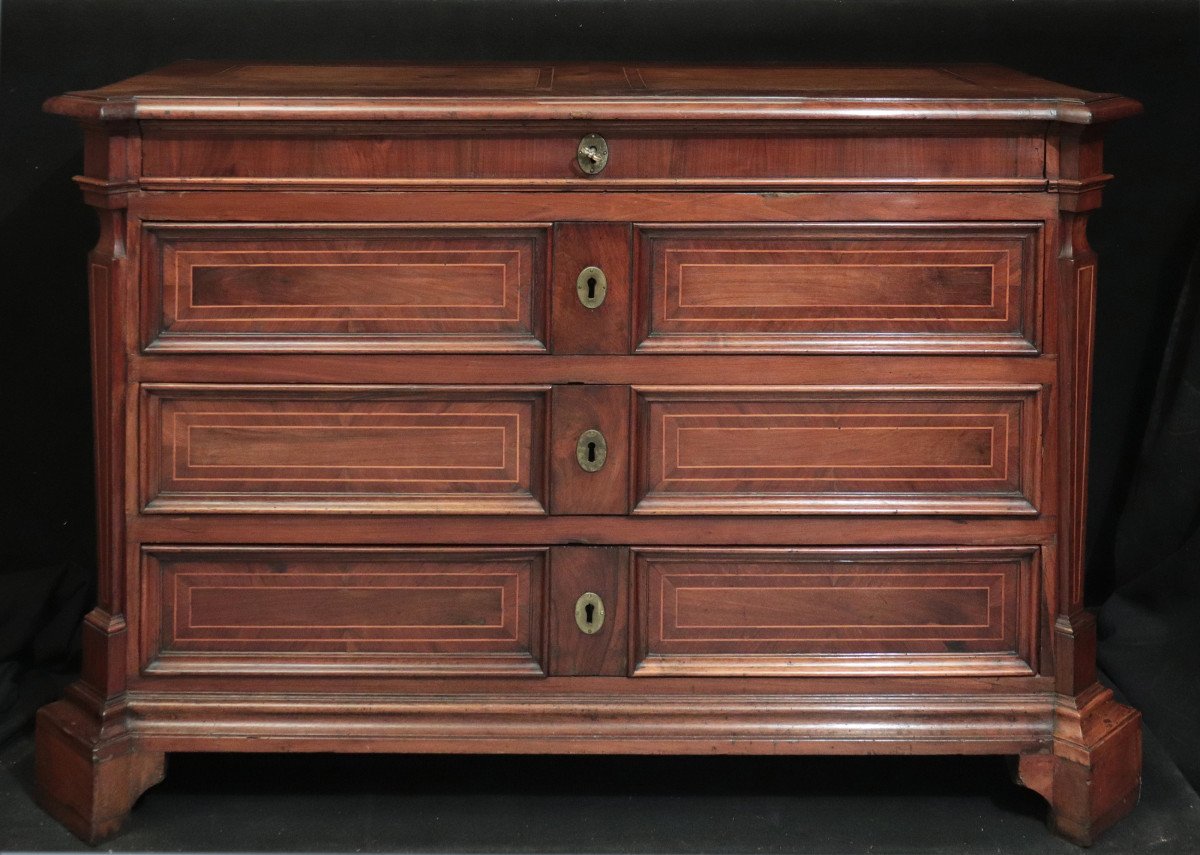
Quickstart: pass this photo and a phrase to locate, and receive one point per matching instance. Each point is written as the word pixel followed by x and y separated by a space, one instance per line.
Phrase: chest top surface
pixel 532 91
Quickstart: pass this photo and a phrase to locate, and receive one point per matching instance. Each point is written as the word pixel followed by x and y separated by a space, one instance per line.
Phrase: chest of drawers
pixel 590 409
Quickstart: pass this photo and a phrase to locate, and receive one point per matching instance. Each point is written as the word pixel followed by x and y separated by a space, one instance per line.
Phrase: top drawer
pixel 689 156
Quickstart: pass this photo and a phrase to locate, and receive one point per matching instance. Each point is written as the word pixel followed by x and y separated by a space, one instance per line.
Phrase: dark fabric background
pixel 1144 517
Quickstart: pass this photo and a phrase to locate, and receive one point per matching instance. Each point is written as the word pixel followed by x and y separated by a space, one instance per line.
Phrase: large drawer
pixel 342 611
pixel 841 450
pixel 657 611
pixel 792 612
pixel 939 287
pixel 524 449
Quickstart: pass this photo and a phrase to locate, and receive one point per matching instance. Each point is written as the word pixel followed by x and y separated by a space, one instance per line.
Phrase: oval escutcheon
pixel 589 613
pixel 591 451
pixel 592 287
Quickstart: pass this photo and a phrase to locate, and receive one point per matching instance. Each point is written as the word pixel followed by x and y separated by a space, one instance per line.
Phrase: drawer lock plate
pixel 592 155
pixel 591 286
pixel 591 451
pixel 589 613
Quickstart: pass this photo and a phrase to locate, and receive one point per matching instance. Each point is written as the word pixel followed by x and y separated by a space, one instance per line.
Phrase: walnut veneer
pixel 344 361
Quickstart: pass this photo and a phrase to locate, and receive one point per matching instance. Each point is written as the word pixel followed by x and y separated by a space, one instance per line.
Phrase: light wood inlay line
pixel 1000 581
pixel 505 288
pixel 673 277
pixel 673 431
pixel 192 428
pixel 840 265
pixel 828 589
pixel 633 76
pixel 185 470
pixel 493 306
pixel 191 589
pixel 334 423
pixel 502 445
pixel 1085 282
pixel 779 430
pixel 194 305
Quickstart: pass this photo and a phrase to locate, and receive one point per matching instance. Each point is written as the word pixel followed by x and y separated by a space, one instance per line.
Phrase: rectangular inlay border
pixel 342 610
pixel 891 287
pixel 838 450
pixel 330 287
pixel 421 449
pixel 835 612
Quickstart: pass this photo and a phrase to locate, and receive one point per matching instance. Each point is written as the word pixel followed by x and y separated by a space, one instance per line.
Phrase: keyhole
pixel 591 283
pixel 591 458
pixel 588 611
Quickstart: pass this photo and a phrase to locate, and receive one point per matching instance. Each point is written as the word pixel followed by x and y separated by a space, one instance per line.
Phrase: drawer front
pixel 690 155
pixel 850 450
pixel 262 611
pixel 333 449
pixel 782 612
pixel 330 288
pixel 928 288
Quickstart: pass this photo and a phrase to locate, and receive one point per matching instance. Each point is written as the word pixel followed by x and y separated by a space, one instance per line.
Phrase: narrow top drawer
pixel 667 156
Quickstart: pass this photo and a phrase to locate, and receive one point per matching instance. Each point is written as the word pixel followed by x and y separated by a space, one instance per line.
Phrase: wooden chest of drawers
pixel 591 409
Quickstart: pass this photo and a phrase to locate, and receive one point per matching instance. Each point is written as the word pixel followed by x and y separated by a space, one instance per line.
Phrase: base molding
pixel 1083 755
pixel 596 723
pixel 1092 775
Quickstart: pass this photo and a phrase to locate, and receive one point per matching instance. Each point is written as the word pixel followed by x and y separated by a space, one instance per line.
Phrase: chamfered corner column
pixel 89 766
pixel 1091 773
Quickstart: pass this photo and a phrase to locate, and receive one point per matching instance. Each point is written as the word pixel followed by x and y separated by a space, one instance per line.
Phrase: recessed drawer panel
pixel 342 611
pixel 781 612
pixel 850 450
pixel 332 449
pixel 318 287
pixel 937 288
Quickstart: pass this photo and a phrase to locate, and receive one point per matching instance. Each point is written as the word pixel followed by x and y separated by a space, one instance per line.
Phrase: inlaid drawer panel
pixel 224 610
pixel 326 287
pixel 784 612
pixel 343 448
pixel 847 450
pixel 911 288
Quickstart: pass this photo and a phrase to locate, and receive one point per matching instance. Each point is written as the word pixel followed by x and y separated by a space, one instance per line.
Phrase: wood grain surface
pixel 341 372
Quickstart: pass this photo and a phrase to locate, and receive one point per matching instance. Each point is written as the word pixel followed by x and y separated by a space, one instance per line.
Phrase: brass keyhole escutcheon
pixel 592 155
pixel 592 286
pixel 591 451
pixel 589 613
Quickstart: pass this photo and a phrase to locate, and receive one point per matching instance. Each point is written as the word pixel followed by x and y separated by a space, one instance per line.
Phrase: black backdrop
pixel 1144 515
